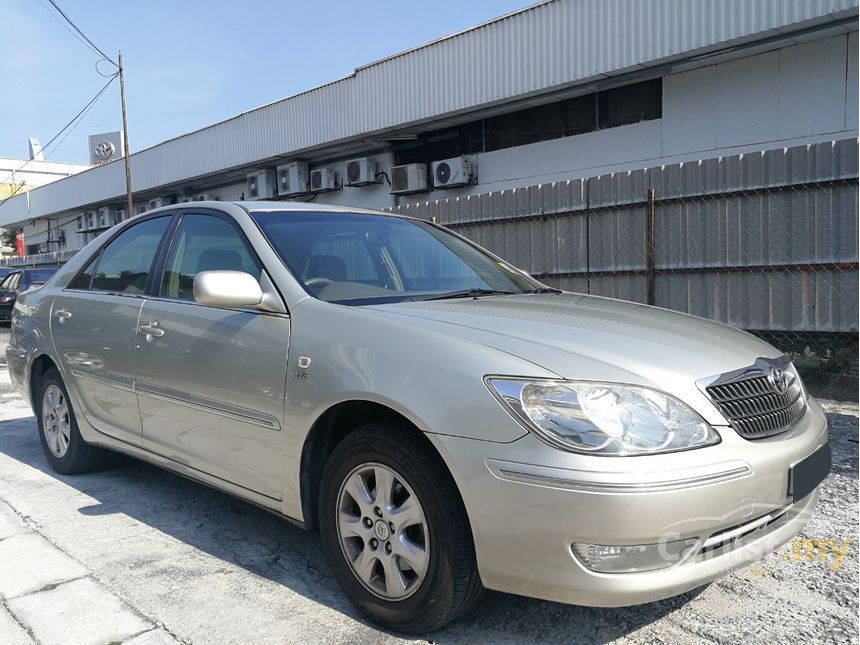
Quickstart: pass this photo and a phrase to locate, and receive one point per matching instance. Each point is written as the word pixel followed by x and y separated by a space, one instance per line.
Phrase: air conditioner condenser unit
pixel 292 178
pixel 360 172
pixel 458 171
pixel 323 180
pixel 410 178
pixel 260 185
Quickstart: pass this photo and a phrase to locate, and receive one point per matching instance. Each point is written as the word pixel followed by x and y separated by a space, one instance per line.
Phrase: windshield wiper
pixel 467 293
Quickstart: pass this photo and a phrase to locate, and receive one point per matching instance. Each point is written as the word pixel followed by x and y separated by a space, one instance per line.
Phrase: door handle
pixel 63 315
pixel 151 331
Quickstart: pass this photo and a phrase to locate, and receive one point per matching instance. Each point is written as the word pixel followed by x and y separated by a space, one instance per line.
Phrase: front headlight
pixel 603 418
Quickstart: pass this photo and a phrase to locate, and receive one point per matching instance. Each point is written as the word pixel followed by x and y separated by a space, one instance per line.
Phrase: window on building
pixel 466 139
pixel 587 113
pixel 541 123
pixel 629 104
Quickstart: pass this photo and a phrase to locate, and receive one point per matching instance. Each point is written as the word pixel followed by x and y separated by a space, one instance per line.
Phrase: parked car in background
pixel 448 423
pixel 4 271
pixel 16 282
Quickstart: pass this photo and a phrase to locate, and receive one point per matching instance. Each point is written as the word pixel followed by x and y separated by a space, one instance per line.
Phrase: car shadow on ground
pixel 246 536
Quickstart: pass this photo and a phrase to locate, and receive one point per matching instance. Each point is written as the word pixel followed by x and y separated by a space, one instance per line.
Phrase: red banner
pixel 19 243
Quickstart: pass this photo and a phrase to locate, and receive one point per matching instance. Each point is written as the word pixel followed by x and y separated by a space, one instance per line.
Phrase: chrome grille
pixel 755 401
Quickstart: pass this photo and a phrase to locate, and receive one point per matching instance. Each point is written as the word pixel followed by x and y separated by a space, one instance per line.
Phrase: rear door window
pixel 126 262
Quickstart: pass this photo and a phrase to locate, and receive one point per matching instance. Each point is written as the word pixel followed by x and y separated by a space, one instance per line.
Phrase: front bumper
pixel 529 503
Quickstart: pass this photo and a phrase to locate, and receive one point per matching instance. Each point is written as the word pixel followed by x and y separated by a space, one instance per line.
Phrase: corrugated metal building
pixel 560 91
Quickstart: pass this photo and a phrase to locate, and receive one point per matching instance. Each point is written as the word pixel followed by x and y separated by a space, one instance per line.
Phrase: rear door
pixel 211 381
pixel 94 328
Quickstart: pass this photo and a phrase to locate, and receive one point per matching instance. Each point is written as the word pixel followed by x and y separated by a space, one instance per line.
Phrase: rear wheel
pixel 396 532
pixel 64 448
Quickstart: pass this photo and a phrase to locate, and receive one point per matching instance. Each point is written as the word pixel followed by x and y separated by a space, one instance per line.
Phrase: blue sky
pixel 191 63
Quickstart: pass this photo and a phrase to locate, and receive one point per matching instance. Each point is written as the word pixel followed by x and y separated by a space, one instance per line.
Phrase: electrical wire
pixel 69 126
pixel 64 25
pixel 107 118
pixel 101 73
pixel 70 130
pixel 82 34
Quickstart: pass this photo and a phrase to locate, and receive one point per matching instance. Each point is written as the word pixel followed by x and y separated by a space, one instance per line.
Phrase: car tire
pixel 445 584
pixel 64 448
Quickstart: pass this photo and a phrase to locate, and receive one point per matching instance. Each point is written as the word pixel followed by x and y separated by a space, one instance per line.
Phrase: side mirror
pixel 227 289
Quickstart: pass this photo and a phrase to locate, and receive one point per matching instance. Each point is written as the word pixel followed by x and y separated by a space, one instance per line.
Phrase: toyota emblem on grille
pixel 778 380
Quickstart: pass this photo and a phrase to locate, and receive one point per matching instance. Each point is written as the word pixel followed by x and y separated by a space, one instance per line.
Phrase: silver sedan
pixel 448 423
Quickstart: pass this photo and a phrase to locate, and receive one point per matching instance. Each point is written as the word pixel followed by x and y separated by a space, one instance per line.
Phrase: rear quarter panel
pixel 29 337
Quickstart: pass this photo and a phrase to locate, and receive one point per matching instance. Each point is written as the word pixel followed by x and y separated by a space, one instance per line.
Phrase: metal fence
pixel 46 260
pixel 766 242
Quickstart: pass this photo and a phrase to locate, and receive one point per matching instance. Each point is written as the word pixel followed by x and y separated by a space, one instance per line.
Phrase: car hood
pixel 595 338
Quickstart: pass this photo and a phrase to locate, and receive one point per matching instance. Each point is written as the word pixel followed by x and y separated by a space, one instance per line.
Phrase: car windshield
pixel 354 258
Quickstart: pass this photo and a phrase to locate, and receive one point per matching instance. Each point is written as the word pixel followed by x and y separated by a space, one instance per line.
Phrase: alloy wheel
pixel 383 531
pixel 55 420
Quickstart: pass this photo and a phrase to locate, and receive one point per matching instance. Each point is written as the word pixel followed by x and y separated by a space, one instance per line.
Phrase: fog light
pixel 607 558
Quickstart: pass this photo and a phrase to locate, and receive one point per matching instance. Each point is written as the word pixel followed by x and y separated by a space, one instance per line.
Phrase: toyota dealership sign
pixel 105 147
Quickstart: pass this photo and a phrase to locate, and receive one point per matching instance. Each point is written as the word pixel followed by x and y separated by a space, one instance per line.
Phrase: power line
pixel 107 118
pixel 64 25
pixel 81 33
pixel 71 124
pixel 79 120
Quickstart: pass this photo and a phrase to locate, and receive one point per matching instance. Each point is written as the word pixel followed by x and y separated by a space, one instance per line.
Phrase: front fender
pixel 433 379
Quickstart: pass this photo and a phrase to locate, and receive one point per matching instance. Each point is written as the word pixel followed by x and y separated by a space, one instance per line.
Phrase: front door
pixel 94 323
pixel 211 381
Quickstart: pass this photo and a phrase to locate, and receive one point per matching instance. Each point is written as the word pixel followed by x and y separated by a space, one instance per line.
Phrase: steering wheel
pixel 318 282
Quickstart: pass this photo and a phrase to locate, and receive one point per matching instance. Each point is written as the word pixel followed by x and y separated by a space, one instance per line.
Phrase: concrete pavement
pixel 134 554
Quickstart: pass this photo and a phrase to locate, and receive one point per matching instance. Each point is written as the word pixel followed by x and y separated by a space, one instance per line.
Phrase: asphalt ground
pixel 134 554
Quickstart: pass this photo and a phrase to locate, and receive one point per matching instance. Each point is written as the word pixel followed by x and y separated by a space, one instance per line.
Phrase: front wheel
pixel 396 532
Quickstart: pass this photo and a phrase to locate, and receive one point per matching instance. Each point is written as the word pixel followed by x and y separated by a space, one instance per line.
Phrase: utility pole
pixel 128 212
